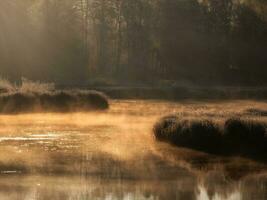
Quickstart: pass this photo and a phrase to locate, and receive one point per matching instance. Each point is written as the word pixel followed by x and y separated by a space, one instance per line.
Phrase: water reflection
pixel 113 155
pixel 53 187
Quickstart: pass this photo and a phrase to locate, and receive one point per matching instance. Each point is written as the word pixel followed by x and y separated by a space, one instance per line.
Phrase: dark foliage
pixel 244 136
pixel 17 102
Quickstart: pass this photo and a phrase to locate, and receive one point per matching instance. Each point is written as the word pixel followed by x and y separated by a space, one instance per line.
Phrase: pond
pixel 113 155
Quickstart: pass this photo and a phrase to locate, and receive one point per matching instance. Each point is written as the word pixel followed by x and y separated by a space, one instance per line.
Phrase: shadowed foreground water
pixel 113 155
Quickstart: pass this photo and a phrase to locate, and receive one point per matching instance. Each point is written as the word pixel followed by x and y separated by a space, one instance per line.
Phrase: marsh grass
pixel 43 97
pixel 28 86
pixel 57 101
pixel 25 86
pixel 183 92
pixel 235 136
pixel 256 112
pixel 6 86
pixel 201 135
pixel 245 137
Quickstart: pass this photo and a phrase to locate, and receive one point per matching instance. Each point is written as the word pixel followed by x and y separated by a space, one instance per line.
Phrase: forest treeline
pixel 197 41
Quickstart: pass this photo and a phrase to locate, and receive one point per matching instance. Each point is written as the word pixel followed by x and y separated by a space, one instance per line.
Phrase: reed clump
pixel 43 97
pixel 235 136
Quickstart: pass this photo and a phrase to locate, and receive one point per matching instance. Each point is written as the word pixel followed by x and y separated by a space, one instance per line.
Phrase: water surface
pixel 113 155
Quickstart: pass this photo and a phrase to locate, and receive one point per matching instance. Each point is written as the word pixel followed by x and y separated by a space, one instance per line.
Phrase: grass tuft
pixel 197 134
pixel 6 86
pixel 236 137
pixel 244 136
pixel 57 101
pixel 43 97
pixel 28 86
pixel 256 112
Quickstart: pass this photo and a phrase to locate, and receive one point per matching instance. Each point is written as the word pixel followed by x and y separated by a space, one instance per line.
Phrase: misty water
pixel 113 155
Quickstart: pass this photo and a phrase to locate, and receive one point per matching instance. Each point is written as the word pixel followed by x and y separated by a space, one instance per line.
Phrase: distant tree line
pixel 200 41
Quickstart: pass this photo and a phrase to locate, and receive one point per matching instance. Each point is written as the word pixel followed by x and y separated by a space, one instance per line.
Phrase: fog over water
pixel 113 155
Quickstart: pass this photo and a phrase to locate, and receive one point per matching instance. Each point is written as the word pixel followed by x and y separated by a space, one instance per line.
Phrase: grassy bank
pixel 233 136
pixel 43 97
pixel 181 93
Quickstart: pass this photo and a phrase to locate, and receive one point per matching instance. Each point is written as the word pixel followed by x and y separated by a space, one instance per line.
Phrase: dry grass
pixel 26 86
pixel 6 86
pixel 245 137
pixel 57 101
pixel 43 97
pixel 235 136
pixel 197 134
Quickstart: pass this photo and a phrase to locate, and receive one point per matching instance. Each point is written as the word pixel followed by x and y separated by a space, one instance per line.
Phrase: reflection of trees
pixel 254 187
pixel 223 178
pixel 66 187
